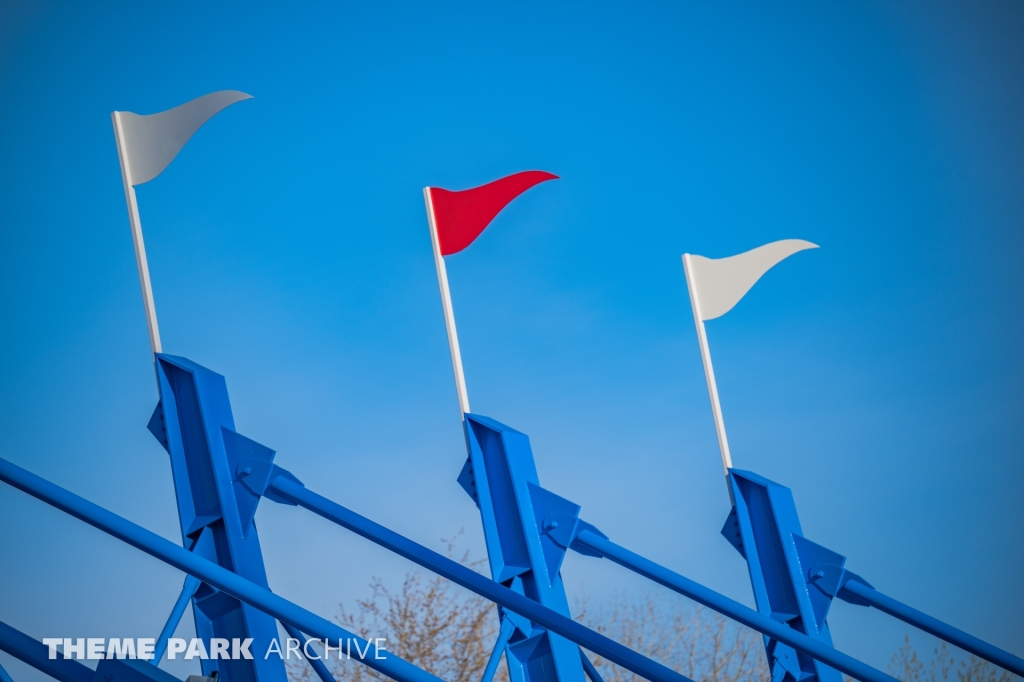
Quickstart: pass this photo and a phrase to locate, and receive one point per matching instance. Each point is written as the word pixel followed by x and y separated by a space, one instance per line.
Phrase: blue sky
pixel 880 376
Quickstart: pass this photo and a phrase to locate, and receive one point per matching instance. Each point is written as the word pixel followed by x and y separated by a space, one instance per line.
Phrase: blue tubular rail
pixel 187 590
pixel 207 571
pixel 37 655
pixel 733 609
pixel 934 626
pixel 507 628
pixel 589 668
pixel 297 493
pixel 318 666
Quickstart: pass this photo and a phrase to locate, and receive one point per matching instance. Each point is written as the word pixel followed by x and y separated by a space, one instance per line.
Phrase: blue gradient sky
pixel 880 377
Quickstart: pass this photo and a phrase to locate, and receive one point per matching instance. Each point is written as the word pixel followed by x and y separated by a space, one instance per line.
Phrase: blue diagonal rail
pixel 315 663
pixel 934 626
pixel 37 655
pixel 295 492
pixel 728 607
pixel 206 570
pixel 187 590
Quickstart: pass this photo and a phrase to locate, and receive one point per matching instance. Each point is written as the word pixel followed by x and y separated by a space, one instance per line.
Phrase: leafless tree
pixel 907 666
pixel 449 632
pixel 700 644
pixel 428 621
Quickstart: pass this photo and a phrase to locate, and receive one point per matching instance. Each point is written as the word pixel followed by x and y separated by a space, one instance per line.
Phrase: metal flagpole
pixel 140 246
pixel 446 303
pixel 709 371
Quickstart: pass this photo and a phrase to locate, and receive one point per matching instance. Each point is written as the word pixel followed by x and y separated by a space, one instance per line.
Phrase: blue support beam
pixel 795 579
pixel 211 573
pixel 764 527
pixel 501 478
pixel 504 632
pixel 194 423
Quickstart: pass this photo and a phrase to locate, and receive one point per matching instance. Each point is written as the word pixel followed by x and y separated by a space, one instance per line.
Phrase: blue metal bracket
pixel 501 477
pixel 193 422
pixel 791 575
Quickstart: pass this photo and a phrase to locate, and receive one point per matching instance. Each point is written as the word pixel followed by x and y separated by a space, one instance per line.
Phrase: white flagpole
pixel 709 371
pixel 446 304
pixel 140 246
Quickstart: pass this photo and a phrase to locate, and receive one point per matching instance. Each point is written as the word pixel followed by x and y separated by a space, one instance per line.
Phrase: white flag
pixel 718 284
pixel 151 142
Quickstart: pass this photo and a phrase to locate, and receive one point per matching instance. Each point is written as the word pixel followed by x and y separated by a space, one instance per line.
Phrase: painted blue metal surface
pixel 221 476
pixel 4 675
pixel 313 659
pixel 501 477
pixel 37 655
pixel 177 611
pixel 589 668
pixel 211 573
pixel 504 632
pixel 854 589
pixel 795 579
pixel 764 527
pixel 193 422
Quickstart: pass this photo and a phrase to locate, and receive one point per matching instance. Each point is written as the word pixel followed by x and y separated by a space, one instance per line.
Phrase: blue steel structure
pixel 501 477
pixel 528 529
pixel 795 581
pixel 764 528
pixel 193 422
pixel 220 477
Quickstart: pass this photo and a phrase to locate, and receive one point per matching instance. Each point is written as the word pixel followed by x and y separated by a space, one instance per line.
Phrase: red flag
pixel 460 217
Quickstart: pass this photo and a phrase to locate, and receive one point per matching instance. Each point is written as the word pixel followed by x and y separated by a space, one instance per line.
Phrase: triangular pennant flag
pixel 719 283
pixel 460 217
pixel 151 142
